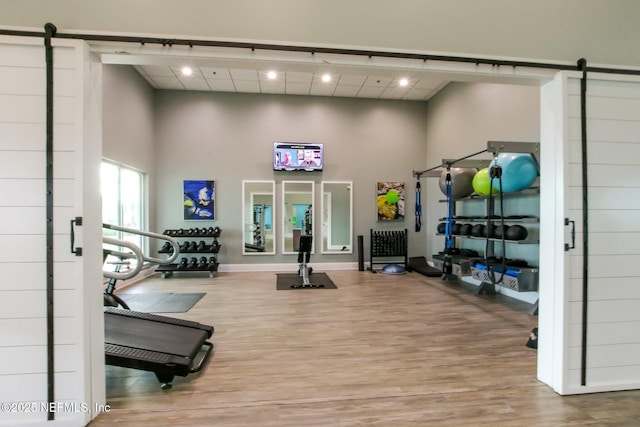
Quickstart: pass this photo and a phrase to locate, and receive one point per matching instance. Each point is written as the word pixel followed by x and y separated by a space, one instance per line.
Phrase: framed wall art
pixel 199 200
pixel 390 200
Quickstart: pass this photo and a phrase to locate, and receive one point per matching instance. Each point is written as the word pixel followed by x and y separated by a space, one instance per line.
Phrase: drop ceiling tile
pixel 370 92
pixel 215 73
pixel 264 77
pixel 298 88
pixel 393 92
pixel 194 83
pixel 194 70
pixel 168 83
pixel 317 78
pixel 428 83
pixel 158 70
pixel 272 87
pixel 347 91
pixel 247 86
pixel 416 94
pixel 146 77
pixel 243 74
pixel 377 81
pixel 352 79
pixel 322 89
pixel 221 85
pixel 299 77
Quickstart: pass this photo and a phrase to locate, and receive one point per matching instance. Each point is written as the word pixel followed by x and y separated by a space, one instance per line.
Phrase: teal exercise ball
pixel 482 184
pixel 461 179
pixel 519 171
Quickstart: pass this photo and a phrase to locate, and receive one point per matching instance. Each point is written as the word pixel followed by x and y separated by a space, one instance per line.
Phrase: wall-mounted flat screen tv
pixel 298 156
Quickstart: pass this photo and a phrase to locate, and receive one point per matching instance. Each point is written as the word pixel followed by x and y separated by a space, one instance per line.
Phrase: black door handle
pixel 567 221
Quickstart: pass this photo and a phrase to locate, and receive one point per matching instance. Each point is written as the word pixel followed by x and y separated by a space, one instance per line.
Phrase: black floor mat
pixel 292 281
pixel 156 302
pixel 419 265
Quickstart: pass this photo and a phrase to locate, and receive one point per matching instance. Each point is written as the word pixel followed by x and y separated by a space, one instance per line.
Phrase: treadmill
pixel 163 345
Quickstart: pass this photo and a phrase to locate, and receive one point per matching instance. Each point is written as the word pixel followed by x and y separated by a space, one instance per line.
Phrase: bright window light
pixel 326 78
pixel 404 82
pixel 272 75
pixel 187 71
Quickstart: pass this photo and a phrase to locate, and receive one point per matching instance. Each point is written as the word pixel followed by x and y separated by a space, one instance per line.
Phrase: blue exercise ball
pixel 519 171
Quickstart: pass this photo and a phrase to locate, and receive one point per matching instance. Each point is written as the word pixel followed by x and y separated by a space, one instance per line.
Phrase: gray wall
pixel 128 124
pixel 462 118
pixel 229 138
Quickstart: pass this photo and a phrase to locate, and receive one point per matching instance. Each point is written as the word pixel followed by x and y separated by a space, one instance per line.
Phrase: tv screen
pixel 296 156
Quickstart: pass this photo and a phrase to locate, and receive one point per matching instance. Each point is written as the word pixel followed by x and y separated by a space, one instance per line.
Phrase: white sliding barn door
pixel 613 176
pixel 78 325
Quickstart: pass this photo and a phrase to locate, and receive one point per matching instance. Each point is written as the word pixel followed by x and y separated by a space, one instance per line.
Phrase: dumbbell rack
pixel 389 244
pixel 197 244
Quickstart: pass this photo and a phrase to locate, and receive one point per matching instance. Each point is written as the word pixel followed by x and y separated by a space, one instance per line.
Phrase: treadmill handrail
pixel 171 240
pixel 137 254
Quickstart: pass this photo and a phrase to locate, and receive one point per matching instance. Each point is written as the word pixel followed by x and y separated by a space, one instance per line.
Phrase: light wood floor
pixel 380 350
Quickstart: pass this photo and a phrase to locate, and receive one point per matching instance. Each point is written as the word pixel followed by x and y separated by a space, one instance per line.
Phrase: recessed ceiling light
pixel 187 71
pixel 326 77
pixel 272 75
pixel 404 82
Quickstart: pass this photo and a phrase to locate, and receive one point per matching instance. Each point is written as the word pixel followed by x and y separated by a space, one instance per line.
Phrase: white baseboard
pixel 326 266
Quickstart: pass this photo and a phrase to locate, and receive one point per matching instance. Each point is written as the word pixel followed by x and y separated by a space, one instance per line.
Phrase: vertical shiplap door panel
pixel 22 136
pixel 32 108
pixel 608 197
pixel 601 334
pixel 609 355
pixel 32 81
pixel 17 304
pixel 21 193
pixel 609 243
pixel 22 81
pixel 608 220
pixel 606 311
pixel 600 131
pixel 30 332
pixel 30 248
pixel 605 266
pixel 30 136
pixel 612 153
pixel 29 165
pixel 605 288
pixel 601 379
pixel 610 175
pixel 23 304
pixel 33 388
pixel 613 173
pixel 33 277
pixel 34 359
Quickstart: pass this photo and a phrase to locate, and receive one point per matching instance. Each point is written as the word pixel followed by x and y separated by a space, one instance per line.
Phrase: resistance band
pixel 448 225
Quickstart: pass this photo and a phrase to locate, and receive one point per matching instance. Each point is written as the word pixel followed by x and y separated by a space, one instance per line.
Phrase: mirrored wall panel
pixel 297 213
pixel 337 217
pixel 258 215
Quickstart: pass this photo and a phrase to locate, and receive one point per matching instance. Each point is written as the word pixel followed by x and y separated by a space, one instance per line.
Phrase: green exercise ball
pixel 482 183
